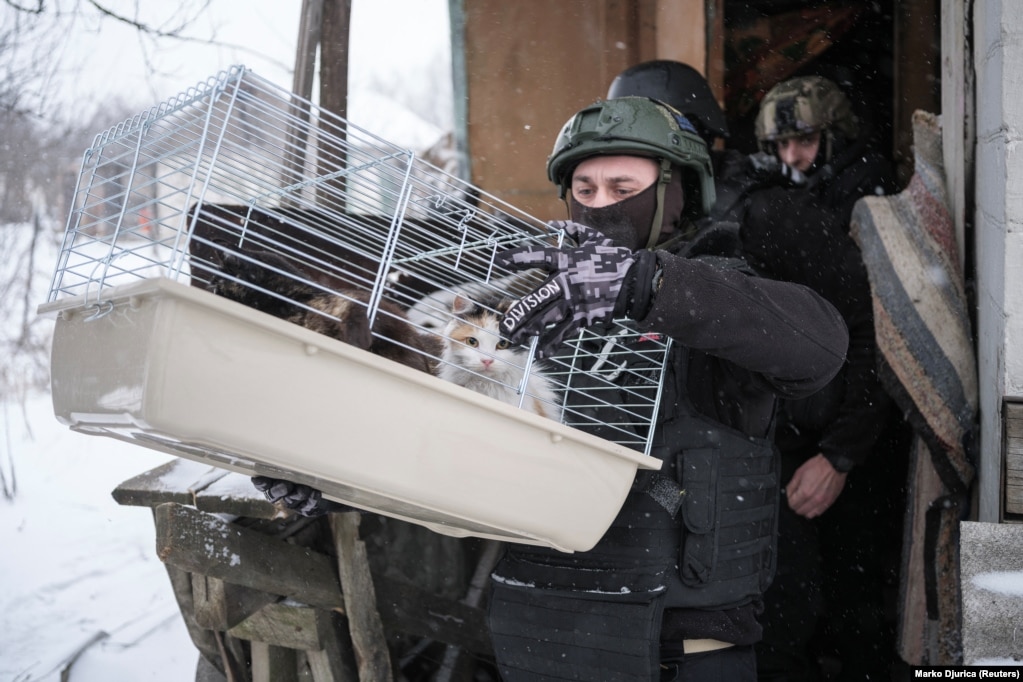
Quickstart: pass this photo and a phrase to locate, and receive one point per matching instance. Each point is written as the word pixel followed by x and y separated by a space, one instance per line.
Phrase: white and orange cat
pixel 475 356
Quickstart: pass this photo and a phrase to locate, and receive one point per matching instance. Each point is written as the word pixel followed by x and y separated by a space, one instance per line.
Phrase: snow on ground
pixel 79 572
pixel 78 569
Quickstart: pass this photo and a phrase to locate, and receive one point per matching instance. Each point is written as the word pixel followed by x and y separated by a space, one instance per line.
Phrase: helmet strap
pixel 662 184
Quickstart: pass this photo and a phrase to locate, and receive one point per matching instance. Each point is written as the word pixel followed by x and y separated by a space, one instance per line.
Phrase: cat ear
pixel 460 305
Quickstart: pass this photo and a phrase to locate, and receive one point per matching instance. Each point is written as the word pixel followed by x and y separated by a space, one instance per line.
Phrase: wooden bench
pixel 273 596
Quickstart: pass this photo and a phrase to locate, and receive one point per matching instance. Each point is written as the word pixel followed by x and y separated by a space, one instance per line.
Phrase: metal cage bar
pixel 238 185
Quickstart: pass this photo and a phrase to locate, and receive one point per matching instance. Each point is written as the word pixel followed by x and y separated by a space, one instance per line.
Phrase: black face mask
pixel 626 223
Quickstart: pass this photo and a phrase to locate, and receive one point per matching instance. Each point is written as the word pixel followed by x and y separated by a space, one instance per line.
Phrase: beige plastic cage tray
pixel 181 370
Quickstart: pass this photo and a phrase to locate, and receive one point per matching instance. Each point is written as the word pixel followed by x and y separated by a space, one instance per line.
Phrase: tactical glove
pixel 590 284
pixel 296 497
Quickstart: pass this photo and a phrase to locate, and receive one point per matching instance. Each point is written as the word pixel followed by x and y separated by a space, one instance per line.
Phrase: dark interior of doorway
pixel 851 43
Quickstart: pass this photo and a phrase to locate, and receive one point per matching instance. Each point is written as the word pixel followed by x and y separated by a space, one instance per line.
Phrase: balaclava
pixel 629 222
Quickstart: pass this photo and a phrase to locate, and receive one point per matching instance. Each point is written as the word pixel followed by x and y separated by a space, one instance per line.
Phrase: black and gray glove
pixel 296 497
pixel 590 284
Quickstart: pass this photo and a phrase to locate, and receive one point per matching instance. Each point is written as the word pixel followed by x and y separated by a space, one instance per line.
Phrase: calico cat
pixel 475 356
pixel 339 315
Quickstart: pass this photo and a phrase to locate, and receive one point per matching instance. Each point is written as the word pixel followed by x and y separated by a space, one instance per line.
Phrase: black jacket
pixel 756 340
pixel 750 341
pixel 802 235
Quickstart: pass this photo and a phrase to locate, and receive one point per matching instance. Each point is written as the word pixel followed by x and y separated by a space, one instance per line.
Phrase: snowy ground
pixel 79 571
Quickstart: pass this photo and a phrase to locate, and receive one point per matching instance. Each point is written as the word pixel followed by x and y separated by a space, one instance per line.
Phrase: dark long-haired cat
pixel 269 283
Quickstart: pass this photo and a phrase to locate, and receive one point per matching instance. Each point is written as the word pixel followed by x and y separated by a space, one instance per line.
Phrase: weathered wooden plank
pixel 204 543
pixel 175 481
pixel 1014 500
pixel 233 657
pixel 367 631
pixel 336 661
pixel 1014 484
pixel 1013 458
pixel 234 494
pixel 221 605
pixel 181 583
pixel 317 633
pixel 273 664
pixel 209 614
pixel 287 624
pixel 199 542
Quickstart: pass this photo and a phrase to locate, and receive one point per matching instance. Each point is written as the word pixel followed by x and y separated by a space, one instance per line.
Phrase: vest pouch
pixel 729 529
pixel 697 469
pixel 542 633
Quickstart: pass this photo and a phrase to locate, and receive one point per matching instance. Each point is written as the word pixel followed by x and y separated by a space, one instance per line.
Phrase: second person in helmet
pixel 806 121
pixel 842 459
pixel 672 591
pixel 809 124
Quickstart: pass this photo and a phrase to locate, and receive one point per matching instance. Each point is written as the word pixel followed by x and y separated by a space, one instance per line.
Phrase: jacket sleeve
pixel 849 438
pixel 791 236
pixel 786 334
pixel 869 175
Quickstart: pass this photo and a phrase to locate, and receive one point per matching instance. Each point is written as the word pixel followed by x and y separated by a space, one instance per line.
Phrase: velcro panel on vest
pixel 666 492
pixel 543 634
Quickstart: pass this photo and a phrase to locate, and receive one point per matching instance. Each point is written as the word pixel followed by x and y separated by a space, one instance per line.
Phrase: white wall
pixel 998 220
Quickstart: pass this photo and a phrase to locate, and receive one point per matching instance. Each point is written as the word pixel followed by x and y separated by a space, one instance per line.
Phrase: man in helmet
pixel 809 124
pixel 844 448
pixel 673 588
pixel 684 88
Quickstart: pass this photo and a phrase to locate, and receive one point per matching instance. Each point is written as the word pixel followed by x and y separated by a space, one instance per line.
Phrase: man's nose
pixel 787 154
pixel 602 198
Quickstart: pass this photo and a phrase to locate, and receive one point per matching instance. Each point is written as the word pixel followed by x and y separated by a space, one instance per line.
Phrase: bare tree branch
pixel 151 30
pixel 39 8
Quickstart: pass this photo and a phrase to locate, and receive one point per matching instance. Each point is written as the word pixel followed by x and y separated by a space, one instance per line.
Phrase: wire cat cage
pixel 251 281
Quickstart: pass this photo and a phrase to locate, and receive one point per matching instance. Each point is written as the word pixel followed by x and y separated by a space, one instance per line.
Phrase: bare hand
pixel 814 487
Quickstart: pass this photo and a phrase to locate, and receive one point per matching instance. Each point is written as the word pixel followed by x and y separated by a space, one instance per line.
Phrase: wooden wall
pixel 531 64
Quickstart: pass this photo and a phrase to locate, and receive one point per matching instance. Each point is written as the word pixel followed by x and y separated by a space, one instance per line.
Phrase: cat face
pixel 474 341
pixel 476 357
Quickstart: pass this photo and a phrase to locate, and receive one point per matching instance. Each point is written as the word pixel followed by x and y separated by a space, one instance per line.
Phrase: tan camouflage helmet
pixel 805 105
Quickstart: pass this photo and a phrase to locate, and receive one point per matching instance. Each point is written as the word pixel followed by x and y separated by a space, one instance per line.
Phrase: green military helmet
pixel 805 105
pixel 637 126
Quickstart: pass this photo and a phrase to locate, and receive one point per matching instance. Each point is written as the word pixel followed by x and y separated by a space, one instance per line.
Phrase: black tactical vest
pixel 699 533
